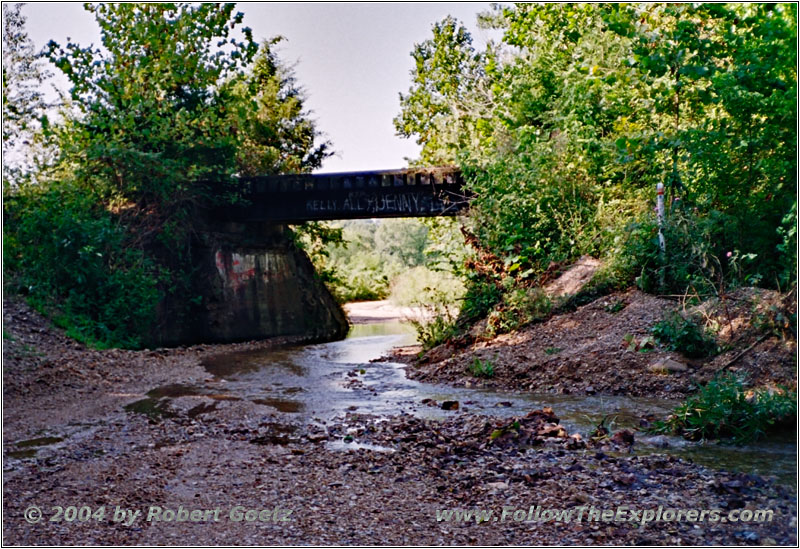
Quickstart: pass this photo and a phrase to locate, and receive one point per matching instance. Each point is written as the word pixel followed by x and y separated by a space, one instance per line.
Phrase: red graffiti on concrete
pixel 235 269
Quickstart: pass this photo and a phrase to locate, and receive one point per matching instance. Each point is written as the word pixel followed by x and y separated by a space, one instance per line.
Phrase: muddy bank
pixel 43 371
pixel 587 351
pixel 348 479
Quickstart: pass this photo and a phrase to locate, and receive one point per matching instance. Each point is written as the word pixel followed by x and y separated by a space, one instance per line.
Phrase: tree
pixel 590 106
pixel 177 102
pixel 278 135
pixel 155 106
pixel 448 96
pixel 23 101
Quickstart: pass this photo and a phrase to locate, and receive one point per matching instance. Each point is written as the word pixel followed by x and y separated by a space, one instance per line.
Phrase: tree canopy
pixel 566 125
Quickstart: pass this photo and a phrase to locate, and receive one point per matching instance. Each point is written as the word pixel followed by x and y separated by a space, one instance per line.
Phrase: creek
pixel 323 381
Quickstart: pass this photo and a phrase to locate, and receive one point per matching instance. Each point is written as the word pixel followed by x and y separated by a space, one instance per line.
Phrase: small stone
pixel 748 535
pixel 658 441
pixel 623 438
pixel 580 497
pixel 450 405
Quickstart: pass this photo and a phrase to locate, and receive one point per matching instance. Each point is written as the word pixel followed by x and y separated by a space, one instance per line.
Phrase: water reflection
pixel 327 380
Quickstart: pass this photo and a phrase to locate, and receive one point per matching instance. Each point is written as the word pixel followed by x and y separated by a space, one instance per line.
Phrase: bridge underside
pixel 357 195
pixel 254 281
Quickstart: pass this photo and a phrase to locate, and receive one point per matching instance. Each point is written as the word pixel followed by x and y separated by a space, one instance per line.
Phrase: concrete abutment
pixel 255 283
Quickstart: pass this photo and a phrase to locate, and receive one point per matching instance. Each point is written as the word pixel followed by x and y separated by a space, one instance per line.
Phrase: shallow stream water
pixel 327 380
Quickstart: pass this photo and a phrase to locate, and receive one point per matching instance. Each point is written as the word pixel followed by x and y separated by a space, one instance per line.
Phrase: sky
pixel 352 59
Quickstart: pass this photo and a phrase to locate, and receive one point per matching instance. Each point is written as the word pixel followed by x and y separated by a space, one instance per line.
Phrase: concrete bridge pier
pixel 255 283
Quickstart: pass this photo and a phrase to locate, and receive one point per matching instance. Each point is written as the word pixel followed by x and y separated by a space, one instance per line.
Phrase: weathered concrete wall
pixel 255 283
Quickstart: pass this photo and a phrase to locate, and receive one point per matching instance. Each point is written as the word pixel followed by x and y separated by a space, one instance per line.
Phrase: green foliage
pixel 565 127
pixel 678 333
pixel 419 285
pixel 481 368
pixel 163 115
pixel 373 259
pixel 23 100
pixel 62 252
pixel 643 345
pixel 155 101
pixel 520 306
pixel 277 135
pixel 777 320
pixel 614 306
pixel 788 248
pixel 479 299
pixel 447 80
pixel 316 238
pixel 361 270
pixel 437 323
pixel 725 408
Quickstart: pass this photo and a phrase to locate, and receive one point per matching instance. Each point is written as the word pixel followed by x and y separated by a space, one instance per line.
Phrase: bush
pixel 481 368
pixel 684 335
pixel 363 278
pixel 520 306
pixel 372 259
pixel 437 321
pixel 479 298
pixel 71 258
pixel 725 408
pixel 434 331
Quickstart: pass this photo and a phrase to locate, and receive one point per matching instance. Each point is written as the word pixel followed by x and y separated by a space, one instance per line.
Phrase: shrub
pixel 437 323
pixel 725 408
pixel 531 304
pixel 71 258
pixel 434 331
pixel 481 368
pixel 520 306
pixel 421 285
pixel 479 298
pixel 776 319
pixel 364 278
pixel 681 334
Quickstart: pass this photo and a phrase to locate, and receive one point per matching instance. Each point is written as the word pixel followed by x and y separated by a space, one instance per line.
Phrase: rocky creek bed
pixel 347 478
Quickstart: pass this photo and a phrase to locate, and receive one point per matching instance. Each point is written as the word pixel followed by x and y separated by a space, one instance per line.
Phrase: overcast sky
pixel 352 59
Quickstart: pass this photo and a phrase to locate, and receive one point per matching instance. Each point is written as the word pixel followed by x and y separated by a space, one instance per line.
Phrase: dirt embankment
pixel 594 350
pixel 89 452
